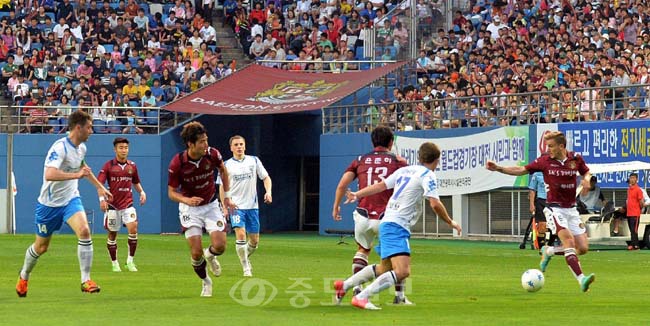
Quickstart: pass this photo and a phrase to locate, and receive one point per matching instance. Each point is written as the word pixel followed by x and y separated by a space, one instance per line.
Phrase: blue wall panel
pixel 29 155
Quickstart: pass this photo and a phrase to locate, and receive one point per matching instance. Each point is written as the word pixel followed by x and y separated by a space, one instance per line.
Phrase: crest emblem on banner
pixel 291 92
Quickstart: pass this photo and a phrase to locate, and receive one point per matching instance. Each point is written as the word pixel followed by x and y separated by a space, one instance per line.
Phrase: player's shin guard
pixel 383 282
pixel 133 245
pixel 242 252
pixel 199 267
pixel 31 258
pixel 359 261
pixel 573 262
pixel 251 249
pixel 363 276
pixel 112 249
pixel 85 255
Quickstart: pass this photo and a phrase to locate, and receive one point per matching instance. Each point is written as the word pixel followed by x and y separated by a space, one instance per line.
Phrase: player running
pixel 410 184
pixel 59 201
pixel 244 170
pixel 370 169
pixel 560 168
pixel 192 185
pixel 121 174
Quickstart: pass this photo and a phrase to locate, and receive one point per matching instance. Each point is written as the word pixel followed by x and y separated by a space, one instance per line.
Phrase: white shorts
pixel 558 218
pixel 365 230
pixel 114 219
pixel 208 217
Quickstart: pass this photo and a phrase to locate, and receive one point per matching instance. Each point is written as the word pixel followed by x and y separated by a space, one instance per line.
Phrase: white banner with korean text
pixel 462 161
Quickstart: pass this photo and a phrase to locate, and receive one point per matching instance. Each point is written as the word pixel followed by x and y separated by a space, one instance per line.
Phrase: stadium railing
pixel 438 111
pixel 146 120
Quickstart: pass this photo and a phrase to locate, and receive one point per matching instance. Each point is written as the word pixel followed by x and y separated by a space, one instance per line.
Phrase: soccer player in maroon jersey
pixel 192 185
pixel 121 175
pixel 560 168
pixel 370 168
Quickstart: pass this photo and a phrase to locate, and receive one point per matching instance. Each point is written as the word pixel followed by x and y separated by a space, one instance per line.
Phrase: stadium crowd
pixel 119 57
pixel 576 53
pixel 115 55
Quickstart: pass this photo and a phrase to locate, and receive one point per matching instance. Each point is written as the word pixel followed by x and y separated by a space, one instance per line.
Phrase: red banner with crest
pixel 263 90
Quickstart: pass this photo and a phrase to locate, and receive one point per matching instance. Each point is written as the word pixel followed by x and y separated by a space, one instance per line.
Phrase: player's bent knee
pixel 402 273
pixel 83 232
pixel 41 248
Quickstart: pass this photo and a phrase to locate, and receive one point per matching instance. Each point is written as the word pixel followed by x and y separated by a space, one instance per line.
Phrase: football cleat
pixel 546 258
pixel 131 267
pixel 90 287
pixel 402 301
pixel 116 267
pixel 364 304
pixel 213 263
pixel 339 291
pixel 206 289
pixel 21 287
pixel 586 282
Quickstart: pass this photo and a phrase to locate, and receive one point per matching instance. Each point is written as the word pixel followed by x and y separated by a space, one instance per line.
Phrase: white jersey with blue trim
pixel 67 157
pixel 409 185
pixel 243 180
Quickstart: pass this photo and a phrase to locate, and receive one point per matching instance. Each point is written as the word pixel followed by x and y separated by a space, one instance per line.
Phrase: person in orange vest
pixel 634 204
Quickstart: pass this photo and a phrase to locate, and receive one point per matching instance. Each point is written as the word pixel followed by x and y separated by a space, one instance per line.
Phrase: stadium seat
pixel 119 66
pixel 108 47
pixel 55 124
pixel 99 126
pixel 167 7
pixel 134 61
pixel 152 117
pixel 114 127
pixel 44 84
pixel 155 8
pixel 37 46
pixel 134 103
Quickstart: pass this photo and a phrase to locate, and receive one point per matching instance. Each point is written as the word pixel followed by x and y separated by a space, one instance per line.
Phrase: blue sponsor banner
pixel 610 143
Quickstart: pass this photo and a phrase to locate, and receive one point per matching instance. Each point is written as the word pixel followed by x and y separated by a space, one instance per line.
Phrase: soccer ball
pixel 532 280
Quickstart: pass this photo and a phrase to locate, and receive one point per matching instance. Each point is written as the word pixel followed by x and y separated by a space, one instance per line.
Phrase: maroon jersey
pixel 372 168
pixel 560 177
pixel 195 178
pixel 121 177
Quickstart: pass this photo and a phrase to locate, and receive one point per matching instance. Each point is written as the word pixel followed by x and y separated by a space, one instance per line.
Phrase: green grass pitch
pixel 452 283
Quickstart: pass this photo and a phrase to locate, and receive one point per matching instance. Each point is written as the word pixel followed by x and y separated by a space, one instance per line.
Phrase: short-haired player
pixel 244 171
pixel 192 185
pixel 121 175
pixel 59 201
pixel 560 168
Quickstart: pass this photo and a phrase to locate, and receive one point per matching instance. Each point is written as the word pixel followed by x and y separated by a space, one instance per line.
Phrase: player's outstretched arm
pixel 511 170
pixel 441 211
pixel 342 187
pixel 365 192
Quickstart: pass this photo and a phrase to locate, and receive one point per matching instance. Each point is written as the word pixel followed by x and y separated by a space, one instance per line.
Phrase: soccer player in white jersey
pixel 59 201
pixel 409 184
pixel 243 171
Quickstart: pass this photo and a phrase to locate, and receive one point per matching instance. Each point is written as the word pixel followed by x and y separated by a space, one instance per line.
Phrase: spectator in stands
pixel 131 126
pixel 37 122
